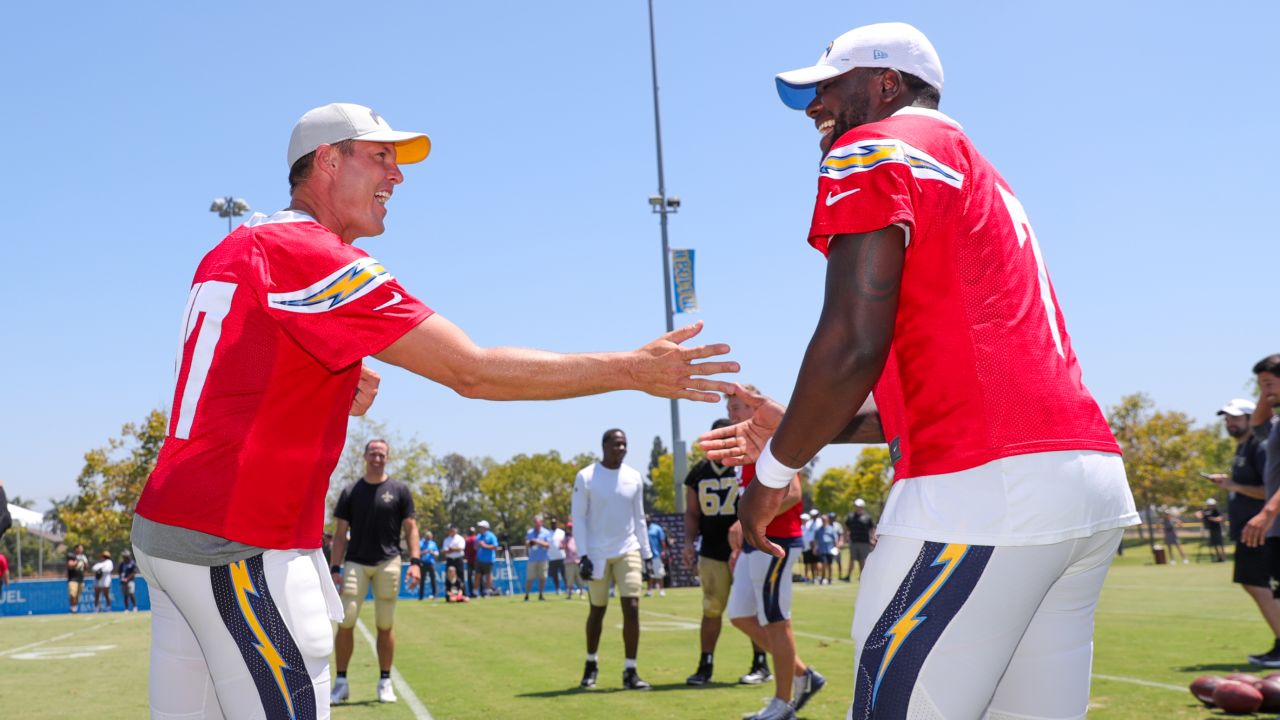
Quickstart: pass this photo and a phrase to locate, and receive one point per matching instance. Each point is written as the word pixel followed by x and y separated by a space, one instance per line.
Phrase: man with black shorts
pixel 860 528
pixel 376 509
pixel 277 323
pixel 1262 532
pixel 1212 520
pixel 711 508
pixel 1009 493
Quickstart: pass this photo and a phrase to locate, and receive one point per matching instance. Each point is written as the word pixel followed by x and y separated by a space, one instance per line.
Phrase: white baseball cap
pixel 883 45
pixel 1238 407
pixel 859 503
pixel 335 122
pixel 483 523
pixel 1211 501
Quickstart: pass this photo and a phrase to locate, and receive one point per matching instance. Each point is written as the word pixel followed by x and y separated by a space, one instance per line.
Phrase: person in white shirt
pixel 454 550
pixel 608 520
pixel 555 558
pixel 102 582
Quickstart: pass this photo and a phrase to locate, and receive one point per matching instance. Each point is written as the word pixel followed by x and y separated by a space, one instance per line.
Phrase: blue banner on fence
pixel 682 277
pixel 48 597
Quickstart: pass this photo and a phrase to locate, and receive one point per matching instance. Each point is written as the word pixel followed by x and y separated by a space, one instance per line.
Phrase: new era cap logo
pixel 879 54
pixel 828 52
pixel 377 119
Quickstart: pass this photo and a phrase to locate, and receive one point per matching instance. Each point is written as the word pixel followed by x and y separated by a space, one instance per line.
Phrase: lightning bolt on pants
pixel 247 640
pixel 966 632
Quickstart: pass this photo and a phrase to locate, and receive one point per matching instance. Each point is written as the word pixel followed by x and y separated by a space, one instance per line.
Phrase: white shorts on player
pixel 248 640
pixel 978 599
pixel 762 586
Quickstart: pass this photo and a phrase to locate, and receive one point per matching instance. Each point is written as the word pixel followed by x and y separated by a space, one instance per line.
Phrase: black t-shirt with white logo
pixel 717 489
pixel 1246 469
pixel 376 514
pixel 859 525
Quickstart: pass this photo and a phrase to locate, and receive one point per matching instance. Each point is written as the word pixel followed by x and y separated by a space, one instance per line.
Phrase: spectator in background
pixel 102 582
pixel 659 544
pixel 6 521
pixel 1246 495
pixel 834 556
pixel 77 564
pixel 555 558
pixel 860 529
pixel 128 575
pixel 538 543
pixel 471 560
pixel 608 514
pixel 1212 520
pixel 453 590
pixel 572 571
pixel 1169 521
pixel 455 553
pixel 808 526
pixel 486 546
pixel 428 551
pixel 1261 531
pixel 4 572
pixel 824 546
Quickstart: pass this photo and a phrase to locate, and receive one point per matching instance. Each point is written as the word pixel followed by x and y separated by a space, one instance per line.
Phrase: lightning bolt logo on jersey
pixel 351 282
pixel 274 661
pixel 940 581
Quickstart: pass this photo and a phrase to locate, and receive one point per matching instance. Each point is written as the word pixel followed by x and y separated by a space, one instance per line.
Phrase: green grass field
pixel 1158 627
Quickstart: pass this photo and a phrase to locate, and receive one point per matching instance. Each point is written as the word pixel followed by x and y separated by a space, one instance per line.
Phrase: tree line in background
pixel 1164 453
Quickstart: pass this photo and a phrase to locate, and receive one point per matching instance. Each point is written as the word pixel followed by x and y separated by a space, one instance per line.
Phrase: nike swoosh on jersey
pixel 397 297
pixel 833 199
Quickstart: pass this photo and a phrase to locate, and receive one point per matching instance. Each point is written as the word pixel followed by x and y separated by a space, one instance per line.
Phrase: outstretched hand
pixel 366 391
pixel 742 444
pixel 666 369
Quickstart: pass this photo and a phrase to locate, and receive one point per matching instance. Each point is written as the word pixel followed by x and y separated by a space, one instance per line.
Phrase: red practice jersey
pixel 279 316
pixel 786 525
pixel 981 366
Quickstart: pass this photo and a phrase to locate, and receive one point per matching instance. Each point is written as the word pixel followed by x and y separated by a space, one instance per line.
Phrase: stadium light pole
pixel 229 207
pixel 664 206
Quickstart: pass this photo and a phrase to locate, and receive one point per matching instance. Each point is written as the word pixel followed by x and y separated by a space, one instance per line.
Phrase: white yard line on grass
pixel 63 636
pixel 415 705
pixel 1144 683
pixel 798 633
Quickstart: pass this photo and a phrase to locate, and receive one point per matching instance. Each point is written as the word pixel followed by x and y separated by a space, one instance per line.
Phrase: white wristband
pixel 770 472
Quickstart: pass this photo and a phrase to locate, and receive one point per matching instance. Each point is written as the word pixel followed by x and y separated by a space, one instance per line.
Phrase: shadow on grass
pixel 610 690
pixel 1228 667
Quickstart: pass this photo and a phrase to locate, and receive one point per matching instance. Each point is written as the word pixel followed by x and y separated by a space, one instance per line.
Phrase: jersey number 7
pixel 207 305
pixel 1022 226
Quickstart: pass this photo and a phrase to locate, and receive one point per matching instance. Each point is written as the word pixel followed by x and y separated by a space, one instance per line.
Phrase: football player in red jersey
pixel 280 315
pixel 1009 493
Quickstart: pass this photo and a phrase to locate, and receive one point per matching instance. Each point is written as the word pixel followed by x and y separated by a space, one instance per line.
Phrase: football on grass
pixel 1234 696
pixel 1203 687
pixel 1270 690
pixel 1246 678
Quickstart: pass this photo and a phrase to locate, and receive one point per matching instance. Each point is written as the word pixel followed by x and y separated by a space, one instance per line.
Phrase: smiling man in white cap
pixel 1009 493
pixel 279 318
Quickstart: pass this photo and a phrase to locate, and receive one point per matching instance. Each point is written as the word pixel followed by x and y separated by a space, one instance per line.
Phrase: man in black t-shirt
pixel 1247 495
pixel 1213 519
pixel 376 509
pixel 860 536
pixel 77 563
pixel 711 508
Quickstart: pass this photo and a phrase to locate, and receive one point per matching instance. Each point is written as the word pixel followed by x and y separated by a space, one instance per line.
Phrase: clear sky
pixel 1140 136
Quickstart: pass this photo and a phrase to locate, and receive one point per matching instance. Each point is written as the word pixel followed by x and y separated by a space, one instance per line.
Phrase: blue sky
pixel 1139 136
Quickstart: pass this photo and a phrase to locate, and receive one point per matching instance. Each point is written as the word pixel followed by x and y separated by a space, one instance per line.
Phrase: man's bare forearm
pixel 864 428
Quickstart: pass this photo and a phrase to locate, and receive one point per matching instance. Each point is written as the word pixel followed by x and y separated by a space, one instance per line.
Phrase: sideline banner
pixel 49 597
pixel 682 277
